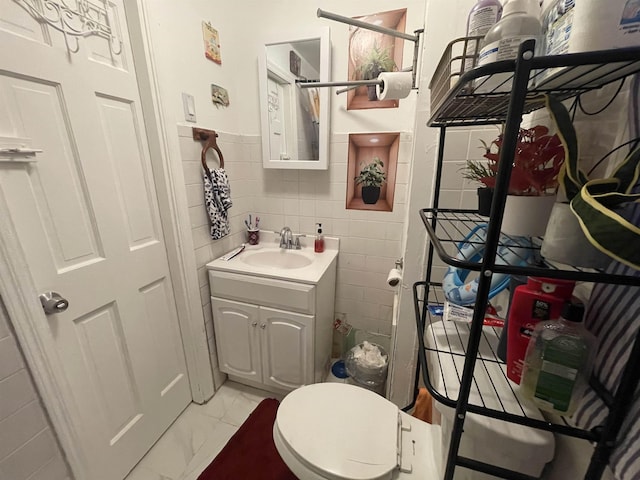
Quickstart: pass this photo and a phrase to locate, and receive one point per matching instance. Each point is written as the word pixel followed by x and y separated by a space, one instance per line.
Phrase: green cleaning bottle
pixel 559 361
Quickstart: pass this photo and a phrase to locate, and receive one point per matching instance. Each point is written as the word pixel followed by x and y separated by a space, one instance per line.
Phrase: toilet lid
pixel 343 431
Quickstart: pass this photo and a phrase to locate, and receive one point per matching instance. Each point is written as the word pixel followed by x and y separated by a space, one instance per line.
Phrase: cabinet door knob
pixel 254 324
pixel 263 326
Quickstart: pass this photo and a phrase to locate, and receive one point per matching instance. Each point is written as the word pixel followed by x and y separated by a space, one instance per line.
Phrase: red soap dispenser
pixel 318 245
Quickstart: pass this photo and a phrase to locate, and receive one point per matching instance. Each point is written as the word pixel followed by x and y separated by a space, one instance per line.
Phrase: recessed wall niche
pixel 372 52
pixel 371 171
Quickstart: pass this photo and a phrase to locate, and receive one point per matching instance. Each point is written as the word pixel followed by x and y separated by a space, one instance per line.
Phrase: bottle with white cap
pixel 520 22
pixel 483 16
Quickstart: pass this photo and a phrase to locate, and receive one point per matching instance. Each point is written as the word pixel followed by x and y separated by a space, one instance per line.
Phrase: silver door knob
pixel 263 326
pixel 53 302
pixel 254 324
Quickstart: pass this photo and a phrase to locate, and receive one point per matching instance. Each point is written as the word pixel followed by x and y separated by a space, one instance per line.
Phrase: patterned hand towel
pixel 217 200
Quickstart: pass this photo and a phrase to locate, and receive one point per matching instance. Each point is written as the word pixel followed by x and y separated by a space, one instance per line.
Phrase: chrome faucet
pixel 286 238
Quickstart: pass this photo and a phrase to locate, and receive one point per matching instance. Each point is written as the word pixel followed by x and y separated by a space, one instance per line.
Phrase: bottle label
pixel 481 21
pixel 562 359
pixel 557 33
pixel 489 53
pixel 541 310
pixel 508 47
pixel 505 49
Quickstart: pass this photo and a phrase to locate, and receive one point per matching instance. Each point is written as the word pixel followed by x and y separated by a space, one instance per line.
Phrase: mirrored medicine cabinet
pixel 295 120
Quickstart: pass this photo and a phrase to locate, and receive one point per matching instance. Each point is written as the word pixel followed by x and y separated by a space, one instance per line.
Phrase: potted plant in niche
pixel 372 177
pixel 534 178
pixel 376 61
pixel 584 229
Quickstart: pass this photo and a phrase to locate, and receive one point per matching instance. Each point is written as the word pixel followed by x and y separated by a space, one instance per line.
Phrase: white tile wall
pixel 28 447
pixel 370 241
pixel 238 164
pixel 461 144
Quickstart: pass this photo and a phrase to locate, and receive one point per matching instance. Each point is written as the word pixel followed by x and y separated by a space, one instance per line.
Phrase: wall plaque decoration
pixel 219 96
pixel 211 43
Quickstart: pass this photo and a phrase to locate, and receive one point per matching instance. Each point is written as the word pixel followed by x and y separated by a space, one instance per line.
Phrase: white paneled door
pixel 86 214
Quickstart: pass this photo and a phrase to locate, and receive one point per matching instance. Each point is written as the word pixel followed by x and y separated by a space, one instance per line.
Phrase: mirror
pixel 295 120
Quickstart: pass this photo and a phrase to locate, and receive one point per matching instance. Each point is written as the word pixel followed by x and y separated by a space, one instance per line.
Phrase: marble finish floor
pixel 199 434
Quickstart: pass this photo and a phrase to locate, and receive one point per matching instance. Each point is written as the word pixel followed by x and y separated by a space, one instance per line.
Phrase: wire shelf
pixel 481 96
pixel 443 348
pixel 452 226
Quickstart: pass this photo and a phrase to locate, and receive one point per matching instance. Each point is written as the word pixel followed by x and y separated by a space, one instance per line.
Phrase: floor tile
pixel 199 434
pixel 192 436
pixel 141 473
pixel 234 402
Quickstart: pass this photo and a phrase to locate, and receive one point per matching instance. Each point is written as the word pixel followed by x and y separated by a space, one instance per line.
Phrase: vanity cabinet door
pixel 287 348
pixel 237 338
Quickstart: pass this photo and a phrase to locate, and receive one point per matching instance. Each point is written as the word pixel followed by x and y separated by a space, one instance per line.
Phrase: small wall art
pixel 371 53
pixel 211 43
pixel 219 96
pixel 371 171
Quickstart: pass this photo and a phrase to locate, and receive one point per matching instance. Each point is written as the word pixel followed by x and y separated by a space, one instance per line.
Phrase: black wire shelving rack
pixel 502 92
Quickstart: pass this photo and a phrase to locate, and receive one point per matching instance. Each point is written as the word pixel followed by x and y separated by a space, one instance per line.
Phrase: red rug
pixel 251 453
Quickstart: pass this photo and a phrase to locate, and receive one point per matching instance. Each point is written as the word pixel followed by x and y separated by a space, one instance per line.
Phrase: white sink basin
pixel 268 260
pixel 286 259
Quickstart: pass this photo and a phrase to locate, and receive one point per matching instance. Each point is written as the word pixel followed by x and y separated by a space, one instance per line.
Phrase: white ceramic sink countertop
pixel 267 259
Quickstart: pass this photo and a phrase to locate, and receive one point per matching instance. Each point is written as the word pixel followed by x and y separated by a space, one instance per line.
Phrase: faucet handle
pixel 296 240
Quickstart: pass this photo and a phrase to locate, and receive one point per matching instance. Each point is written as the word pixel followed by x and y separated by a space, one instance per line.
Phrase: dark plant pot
pixel 485 196
pixel 371 92
pixel 370 195
pixel 371 89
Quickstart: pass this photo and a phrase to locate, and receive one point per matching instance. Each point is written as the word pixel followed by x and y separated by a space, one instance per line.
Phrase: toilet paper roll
pixel 395 277
pixel 395 85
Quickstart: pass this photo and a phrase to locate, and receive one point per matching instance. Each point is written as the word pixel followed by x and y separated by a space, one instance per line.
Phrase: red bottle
pixel 540 299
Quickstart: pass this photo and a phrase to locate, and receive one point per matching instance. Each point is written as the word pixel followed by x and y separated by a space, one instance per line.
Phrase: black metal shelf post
pixel 530 78
pixel 435 202
pixel 512 127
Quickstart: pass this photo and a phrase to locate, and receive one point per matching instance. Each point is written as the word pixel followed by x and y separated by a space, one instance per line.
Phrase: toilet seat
pixel 338 431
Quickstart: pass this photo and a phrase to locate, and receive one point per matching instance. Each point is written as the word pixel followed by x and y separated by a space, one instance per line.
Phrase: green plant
pixel 372 174
pixel 593 201
pixel 376 61
pixel 536 163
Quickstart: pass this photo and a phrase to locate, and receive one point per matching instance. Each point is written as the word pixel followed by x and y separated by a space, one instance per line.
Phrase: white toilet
pixel 340 431
pixel 331 431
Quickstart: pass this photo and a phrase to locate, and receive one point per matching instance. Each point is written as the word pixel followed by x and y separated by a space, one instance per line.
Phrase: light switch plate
pixel 189 106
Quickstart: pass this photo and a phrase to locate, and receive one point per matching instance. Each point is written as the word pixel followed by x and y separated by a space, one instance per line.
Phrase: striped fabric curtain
pixel 613 315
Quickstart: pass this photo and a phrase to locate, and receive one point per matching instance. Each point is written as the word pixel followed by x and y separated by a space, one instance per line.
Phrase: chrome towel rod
pixel 368 26
pixel 350 83
pixel 376 28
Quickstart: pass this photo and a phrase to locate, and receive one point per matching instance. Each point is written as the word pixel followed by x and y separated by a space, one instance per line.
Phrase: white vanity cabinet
pixel 270 333
pixel 263 344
